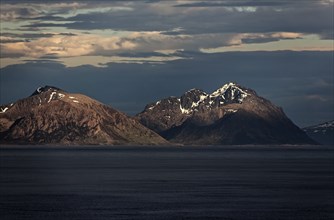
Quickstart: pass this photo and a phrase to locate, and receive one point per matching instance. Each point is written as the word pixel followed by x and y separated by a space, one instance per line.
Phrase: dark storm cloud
pixel 254 3
pixel 49 57
pixel 300 82
pixel 5 41
pixel 304 17
pixel 258 40
pixel 49 18
pixel 32 29
pixel 63 1
pixel 34 35
pixel 299 19
pixel 116 21
pixel 143 54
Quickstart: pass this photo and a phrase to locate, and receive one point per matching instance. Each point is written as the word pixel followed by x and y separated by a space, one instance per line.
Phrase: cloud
pixel 66 46
pixel 310 17
pixel 28 36
pixel 6 39
pixel 30 10
pixel 137 27
pixel 70 45
pixel 247 38
pixel 250 3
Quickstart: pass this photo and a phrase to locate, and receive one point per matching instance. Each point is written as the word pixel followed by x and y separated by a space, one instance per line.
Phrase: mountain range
pixel 230 115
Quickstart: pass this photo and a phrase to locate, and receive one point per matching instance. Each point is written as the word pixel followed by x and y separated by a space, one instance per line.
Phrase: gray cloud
pixel 220 18
pixel 34 35
pixel 251 3
pixel 279 16
pixel 144 54
pixel 5 41
pixel 71 45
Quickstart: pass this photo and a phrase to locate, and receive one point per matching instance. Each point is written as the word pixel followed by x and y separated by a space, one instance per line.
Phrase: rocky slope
pixel 53 116
pixel 230 115
pixel 322 133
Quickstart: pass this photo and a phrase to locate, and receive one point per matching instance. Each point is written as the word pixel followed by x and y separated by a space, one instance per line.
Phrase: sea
pixel 166 182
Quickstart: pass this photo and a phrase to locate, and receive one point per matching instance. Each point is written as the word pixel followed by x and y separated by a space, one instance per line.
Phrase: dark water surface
pixel 167 183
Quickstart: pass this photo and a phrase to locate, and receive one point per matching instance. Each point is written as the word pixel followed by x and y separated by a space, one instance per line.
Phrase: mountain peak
pixel 230 92
pixel 230 84
pixel 231 114
pixel 191 99
pixel 52 116
pixel 323 133
pixel 196 99
pixel 46 88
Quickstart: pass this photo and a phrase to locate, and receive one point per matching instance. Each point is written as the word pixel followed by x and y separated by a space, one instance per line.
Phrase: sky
pixel 130 53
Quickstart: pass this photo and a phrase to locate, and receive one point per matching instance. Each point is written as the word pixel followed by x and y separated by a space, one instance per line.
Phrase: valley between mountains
pixel 231 115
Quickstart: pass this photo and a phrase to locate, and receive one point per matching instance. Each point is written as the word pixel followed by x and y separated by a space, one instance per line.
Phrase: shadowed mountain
pixel 230 115
pixel 322 133
pixel 53 116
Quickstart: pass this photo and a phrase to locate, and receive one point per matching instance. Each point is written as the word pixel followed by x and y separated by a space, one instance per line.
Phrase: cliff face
pixel 52 116
pixel 230 115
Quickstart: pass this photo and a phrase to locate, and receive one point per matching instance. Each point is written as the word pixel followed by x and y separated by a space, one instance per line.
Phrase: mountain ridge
pixel 322 133
pixel 53 116
pixel 232 114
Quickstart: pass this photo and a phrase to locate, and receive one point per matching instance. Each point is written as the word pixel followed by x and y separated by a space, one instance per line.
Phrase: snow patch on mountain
pixel 185 111
pixel 60 95
pixel 230 91
pixel 51 96
pixel 232 110
pixel 195 99
pixel 201 99
pixel 324 127
pixel 3 110
pixel 323 133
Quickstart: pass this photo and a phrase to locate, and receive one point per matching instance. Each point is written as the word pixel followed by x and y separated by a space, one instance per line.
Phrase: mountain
pixel 53 116
pixel 322 133
pixel 230 115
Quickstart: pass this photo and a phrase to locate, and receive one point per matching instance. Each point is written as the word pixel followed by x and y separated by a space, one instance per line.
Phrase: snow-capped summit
pixel 231 114
pixel 230 92
pixel 195 100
